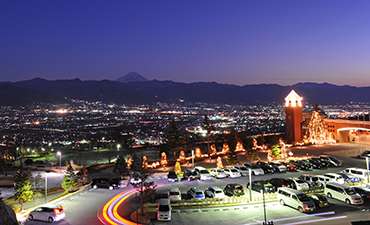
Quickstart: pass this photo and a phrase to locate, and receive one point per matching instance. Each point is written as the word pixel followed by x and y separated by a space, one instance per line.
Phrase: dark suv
pixel 234 190
pixel 172 176
pixel 190 175
pixel 105 183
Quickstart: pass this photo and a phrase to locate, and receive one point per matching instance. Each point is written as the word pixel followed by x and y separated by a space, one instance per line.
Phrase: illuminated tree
pixel 213 150
pixel 317 132
pixel 219 162
pixel 225 148
pixel 275 152
pixel 69 179
pixel 23 192
pixel 177 167
pixel 164 161
pixel 84 178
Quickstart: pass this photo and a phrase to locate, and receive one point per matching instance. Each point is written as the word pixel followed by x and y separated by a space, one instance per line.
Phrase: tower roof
pixel 293 99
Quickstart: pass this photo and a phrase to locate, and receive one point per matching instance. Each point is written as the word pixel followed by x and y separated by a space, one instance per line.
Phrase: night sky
pixel 235 42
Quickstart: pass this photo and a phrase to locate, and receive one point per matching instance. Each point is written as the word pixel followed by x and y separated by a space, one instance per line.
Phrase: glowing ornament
pixel 219 162
pixel 164 161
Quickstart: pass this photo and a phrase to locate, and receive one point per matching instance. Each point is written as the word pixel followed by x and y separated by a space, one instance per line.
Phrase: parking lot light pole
pixel 192 159
pixel 46 185
pixel 367 167
pixel 250 184
pixel 60 159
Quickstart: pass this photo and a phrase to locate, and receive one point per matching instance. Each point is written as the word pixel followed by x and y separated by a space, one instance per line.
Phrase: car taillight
pixel 56 211
pixel 304 207
pixel 233 174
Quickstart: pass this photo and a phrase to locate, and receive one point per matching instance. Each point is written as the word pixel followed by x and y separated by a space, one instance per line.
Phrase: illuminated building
pixel 294 119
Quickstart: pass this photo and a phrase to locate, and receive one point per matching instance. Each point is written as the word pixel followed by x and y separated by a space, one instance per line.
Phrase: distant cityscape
pixel 92 124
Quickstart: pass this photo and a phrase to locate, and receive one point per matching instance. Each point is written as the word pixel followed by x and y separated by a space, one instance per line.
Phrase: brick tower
pixel 293 111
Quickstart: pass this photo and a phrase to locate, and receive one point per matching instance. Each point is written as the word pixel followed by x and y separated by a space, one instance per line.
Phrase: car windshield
pixel 315 178
pixel 174 193
pixel 300 181
pixel 243 168
pixel 199 193
pixel 218 191
pixel 193 173
pixel 350 191
pixel 322 198
pixel 233 170
pixel 203 172
pixel 219 170
pixel 303 197
pixel 164 208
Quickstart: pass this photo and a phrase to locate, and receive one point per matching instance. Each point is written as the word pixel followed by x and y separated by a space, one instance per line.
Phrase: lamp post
pixel 367 167
pixel 250 184
pixel 192 159
pixel 60 159
pixel 46 185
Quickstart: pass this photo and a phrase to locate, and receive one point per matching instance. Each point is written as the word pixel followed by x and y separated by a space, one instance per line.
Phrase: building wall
pixel 345 130
pixel 293 122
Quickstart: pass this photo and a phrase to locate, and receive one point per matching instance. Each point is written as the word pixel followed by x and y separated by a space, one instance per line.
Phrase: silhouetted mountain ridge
pixel 108 91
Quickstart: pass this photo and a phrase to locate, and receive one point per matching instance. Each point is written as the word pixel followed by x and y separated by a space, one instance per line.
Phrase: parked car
pixel 242 170
pixel 196 193
pixel 279 182
pixel 164 210
pixel 312 180
pixel 365 154
pixel 49 213
pixel 295 199
pixel 357 172
pixel 255 169
pixel 323 180
pixel 174 194
pixel 232 173
pixel 290 166
pixel 320 200
pixel 298 184
pixel 349 178
pixel 334 177
pixel 203 173
pixel 105 183
pixel 190 175
pixel 262 186
pixel 322 162
pixel 172 176
pixel 300 165
pixel 331 160
pixel 278 167
pixel 265 167
pixel 234 190
pixel 135 178
pixel 364 192
pixel 217 173
pixel 342 193
pixel 214 192
pixel 314 164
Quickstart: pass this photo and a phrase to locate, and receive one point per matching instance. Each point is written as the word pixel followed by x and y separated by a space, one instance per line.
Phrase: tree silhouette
pixel 23 192
pixel 232 157
pixel 209 128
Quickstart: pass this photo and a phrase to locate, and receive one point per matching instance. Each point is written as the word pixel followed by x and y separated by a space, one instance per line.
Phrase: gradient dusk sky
pixel 235 42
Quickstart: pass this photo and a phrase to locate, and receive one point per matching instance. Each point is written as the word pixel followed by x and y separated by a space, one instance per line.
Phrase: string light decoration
pixel 225 148
pixel 239 147
pixel 164 161
pixel 198 153
pixel 317 133
pixel 219 162
pixel 129 163
pixel 145 162
pixel 182 157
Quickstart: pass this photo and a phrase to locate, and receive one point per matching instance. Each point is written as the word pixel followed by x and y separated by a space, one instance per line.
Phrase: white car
pixel 298 184
pixel 49 213
pixel 218 173
pixel 174 194
pixel 242 170
pixel 255 169
pixel 232 172
pixel 278 167
pixel 334 177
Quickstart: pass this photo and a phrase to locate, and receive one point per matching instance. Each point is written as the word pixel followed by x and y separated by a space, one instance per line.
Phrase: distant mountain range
pixel 135 89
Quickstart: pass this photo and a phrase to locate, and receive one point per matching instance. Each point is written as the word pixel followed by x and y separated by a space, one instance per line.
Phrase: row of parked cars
pixel 259 168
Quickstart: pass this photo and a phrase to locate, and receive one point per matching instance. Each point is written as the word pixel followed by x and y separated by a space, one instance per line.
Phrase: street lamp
pixel 46 184
pixel 192 159
pixel 118 147
pixel 60 159
pixel 367 167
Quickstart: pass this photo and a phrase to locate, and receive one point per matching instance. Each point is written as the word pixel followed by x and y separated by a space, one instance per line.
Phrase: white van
pixel 334 177
pixel 295 199
pixel 357 172
pixel 164 210
pixel 342 193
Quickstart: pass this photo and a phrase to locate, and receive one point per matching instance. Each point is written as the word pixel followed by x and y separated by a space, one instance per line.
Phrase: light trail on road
pixel 109 214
